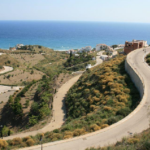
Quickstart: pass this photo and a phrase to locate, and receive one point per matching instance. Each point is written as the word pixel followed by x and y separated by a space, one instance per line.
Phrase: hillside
pixel 105 91
pixel 101 97
pixel 32 109
pixel 79 62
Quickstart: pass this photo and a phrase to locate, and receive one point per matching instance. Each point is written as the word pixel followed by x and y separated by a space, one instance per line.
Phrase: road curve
pixel 136 122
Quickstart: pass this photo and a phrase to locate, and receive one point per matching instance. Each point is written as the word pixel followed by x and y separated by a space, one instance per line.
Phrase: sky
pixel 76 10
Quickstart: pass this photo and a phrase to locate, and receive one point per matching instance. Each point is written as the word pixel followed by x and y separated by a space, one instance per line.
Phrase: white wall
pixel 135 77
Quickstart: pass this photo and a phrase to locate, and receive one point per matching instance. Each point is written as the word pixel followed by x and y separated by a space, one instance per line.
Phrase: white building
pixel 100 47
pixel 120 46
pixel 73 51
pixel 104 57
pixel 19 45
pixel 12 48
pixel 86 49
pixel 76 55
pixel 88 66
pixel 144 42
pixel 105 47
pixel 114 54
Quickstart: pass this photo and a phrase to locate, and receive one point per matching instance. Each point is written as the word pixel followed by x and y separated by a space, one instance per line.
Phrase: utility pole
pixel 41 142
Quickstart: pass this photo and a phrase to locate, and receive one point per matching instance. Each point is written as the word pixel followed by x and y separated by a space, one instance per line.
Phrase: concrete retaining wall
pixel 135 77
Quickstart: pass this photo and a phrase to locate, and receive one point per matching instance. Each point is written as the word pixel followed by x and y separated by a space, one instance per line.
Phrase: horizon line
pixel 79 21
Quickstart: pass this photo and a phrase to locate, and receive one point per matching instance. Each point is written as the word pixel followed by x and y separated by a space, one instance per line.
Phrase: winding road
pixel 135 122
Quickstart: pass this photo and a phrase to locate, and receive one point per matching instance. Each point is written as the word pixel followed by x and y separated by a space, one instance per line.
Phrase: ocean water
pixel 65 35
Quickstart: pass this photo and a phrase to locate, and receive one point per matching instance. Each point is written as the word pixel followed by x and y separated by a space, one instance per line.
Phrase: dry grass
pixel 28 59
pixel 17 77
pixel 7 60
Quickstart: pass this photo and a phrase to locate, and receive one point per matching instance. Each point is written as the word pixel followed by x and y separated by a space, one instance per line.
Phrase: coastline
pixel 63 36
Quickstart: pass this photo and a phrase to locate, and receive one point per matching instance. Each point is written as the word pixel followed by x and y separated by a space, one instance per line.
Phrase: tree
pixel 8 76
pixel 33 120
pixel 18 111
pixel 114 46
pixel 35 108
pixel 32 72
pixel 70 54
pixel 27 103
pixel 10 101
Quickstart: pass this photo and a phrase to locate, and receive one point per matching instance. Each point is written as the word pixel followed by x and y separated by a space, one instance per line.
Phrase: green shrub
pixel 56 131
pixel 27 103
pixel 33 120
pixel 30 142
pixel 6 131
pixel 146 145
pixel 16 141
pixel 123 111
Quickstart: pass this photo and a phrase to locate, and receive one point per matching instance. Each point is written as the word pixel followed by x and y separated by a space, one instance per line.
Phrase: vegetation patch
pixel 102 96
pixel 104 92
pixel 148 59
pixel 79 61
pixel 7 60
pixel 28 106
pixel 52 65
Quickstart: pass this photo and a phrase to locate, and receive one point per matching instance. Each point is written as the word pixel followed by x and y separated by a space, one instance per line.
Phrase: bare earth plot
pixel 28 58
pixel 18 76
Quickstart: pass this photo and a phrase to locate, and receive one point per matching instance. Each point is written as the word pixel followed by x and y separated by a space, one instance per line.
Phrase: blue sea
pixel 65 35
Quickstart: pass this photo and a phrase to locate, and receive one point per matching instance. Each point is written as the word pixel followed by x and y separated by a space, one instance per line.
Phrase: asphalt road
pixel 136 122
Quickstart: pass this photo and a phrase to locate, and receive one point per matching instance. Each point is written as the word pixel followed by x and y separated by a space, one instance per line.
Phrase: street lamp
pixel 41 142
pixel 1 126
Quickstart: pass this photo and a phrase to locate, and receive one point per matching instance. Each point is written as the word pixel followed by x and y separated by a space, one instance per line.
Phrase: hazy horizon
pixel 135 11
pixel 80 21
